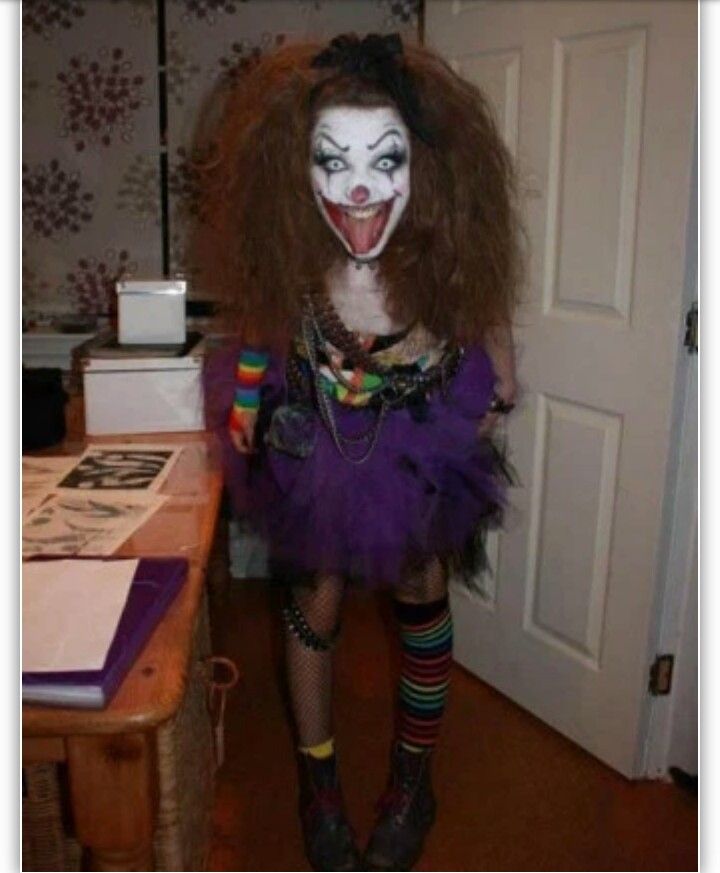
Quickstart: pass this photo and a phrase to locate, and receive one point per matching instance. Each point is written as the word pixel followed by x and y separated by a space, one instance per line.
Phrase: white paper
pixel 97 523
pixel 121 467
pixel 71 610
pixel 40 475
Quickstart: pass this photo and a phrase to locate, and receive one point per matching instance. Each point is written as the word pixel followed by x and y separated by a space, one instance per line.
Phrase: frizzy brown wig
pixel 454 260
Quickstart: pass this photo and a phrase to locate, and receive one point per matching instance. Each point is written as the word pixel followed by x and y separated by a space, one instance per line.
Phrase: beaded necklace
pixel 311 336
pixel 393 390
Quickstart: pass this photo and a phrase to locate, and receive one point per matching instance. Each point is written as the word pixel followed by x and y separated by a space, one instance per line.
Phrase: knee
pixel 427 585
pixel 321 604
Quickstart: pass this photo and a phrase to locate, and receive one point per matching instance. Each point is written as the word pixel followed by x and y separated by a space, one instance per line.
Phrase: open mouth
pixel 361 226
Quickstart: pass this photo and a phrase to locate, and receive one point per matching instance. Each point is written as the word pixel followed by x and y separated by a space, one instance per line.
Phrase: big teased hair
pixel 454 260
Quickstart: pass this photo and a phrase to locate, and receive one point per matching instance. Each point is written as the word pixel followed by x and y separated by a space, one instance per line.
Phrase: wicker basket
pixel 186 768
pixel 45 842
pixel 186 771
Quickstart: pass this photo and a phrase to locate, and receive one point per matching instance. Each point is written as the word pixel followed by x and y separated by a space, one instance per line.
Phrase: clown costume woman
pixel 359 225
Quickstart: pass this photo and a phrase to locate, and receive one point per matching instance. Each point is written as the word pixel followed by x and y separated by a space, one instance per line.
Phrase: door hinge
pixel 661 671
pixel 691 329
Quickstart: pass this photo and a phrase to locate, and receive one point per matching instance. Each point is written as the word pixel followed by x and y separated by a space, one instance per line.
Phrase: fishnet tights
pixel 425 585
pixel 309 672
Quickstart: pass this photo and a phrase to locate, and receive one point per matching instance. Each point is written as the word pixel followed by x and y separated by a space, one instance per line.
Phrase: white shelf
pixel 51 348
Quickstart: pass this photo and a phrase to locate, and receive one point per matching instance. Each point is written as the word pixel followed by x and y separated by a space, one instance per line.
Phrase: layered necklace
pixel 313 340
pixel 322 327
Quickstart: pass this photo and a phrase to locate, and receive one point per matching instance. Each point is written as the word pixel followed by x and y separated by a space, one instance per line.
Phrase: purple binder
pixel 154 587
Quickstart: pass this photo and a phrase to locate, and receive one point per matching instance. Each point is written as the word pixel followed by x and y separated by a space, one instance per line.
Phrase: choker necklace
pixel 371 265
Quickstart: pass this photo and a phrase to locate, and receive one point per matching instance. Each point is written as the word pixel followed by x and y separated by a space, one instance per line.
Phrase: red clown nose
pixel 359 194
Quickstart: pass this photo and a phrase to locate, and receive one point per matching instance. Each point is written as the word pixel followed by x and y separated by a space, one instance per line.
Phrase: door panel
pixel 596 101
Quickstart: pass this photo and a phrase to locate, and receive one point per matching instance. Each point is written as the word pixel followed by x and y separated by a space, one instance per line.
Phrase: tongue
pixel 363 234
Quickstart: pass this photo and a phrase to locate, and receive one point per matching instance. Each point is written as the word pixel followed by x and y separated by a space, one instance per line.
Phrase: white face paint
pixel 360 173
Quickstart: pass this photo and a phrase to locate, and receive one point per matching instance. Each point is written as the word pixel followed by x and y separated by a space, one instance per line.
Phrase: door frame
pixel 680 515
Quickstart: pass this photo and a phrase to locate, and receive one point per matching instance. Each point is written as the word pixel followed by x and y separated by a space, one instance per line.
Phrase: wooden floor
pixel 512 793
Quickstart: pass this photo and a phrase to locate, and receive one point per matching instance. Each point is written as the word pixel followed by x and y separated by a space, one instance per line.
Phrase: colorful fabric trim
pixel 354 386
pixel 250 371
pixel 426 634
pixel 251 367
pixel 247 398
pixel 320 751
pixel 364 385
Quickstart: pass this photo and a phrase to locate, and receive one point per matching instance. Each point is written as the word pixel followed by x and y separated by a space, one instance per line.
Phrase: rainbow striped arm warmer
pixel 251 367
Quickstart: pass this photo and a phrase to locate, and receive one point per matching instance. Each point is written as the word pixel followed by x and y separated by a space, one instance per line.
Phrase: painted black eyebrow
pixel 375 144
pixel 337 146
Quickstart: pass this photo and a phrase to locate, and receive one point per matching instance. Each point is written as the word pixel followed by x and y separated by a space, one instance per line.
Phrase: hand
pixel 506 390
pixel 242 434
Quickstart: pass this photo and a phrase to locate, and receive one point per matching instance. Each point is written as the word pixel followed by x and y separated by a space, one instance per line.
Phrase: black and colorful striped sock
pixel 426 635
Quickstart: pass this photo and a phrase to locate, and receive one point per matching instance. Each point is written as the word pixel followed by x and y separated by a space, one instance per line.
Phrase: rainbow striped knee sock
pixel 426 634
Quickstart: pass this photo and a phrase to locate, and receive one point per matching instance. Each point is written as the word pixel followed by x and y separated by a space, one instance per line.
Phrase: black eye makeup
pixel 329 162
pixel 390 161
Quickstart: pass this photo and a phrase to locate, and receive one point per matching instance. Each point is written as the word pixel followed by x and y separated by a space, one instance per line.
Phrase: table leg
pixel 113 789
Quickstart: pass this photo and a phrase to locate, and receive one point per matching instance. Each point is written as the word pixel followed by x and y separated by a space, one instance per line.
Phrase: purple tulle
pixel 424 490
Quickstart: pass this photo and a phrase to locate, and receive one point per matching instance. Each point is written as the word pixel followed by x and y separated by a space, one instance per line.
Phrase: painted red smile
pixel 361 226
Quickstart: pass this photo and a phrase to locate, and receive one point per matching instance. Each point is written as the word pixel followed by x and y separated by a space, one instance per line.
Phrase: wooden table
pixel 110 752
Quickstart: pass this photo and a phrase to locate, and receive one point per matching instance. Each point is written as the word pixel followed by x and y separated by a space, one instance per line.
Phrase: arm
pixel 251 366
pixel 500 346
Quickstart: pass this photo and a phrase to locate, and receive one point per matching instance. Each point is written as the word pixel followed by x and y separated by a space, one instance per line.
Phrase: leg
pixel 312 618
pixel 425 623
pixel 407 808
pixel 427 585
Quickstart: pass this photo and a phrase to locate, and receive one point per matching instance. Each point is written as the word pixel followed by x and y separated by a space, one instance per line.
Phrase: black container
pixel 43 408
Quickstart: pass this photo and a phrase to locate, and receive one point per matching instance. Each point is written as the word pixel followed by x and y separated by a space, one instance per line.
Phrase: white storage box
pixel 151 312
pixel 144 395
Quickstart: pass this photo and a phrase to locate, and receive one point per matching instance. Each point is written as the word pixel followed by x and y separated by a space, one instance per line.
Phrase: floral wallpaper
pixel 89 117
pixel 91 139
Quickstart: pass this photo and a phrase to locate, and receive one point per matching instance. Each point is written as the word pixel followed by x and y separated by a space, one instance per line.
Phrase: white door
pixel 597 101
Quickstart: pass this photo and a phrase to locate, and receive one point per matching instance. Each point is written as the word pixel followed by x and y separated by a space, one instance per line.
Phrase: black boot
pixel 406 812
pixel 329 841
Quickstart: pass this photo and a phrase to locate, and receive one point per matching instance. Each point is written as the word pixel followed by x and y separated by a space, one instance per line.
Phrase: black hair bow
pixel 377 59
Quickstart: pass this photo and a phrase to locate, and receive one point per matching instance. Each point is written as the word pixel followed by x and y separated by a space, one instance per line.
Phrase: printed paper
pixel 86 524
pixel 121 468
pixel 40 476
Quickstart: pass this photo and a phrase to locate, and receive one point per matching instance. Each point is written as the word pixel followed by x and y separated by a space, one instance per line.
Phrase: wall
pixel 90 140
pixel 91 171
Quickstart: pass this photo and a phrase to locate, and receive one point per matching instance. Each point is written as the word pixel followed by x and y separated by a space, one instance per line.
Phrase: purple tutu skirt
pixel 428 487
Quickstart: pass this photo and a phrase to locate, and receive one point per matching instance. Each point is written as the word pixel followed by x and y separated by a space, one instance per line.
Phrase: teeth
pixel 361 213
